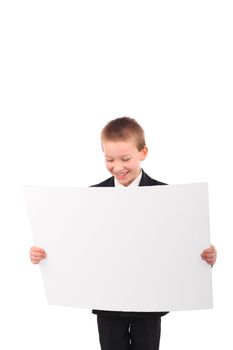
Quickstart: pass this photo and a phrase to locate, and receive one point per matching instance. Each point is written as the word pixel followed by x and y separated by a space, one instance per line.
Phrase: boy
pixel 124 147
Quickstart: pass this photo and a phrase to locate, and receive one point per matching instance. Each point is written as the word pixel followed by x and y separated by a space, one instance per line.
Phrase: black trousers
pixel 129 333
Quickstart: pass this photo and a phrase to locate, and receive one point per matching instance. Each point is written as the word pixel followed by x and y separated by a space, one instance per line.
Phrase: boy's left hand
pixel 209 255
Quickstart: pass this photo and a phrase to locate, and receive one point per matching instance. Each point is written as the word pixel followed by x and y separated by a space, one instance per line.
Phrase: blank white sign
pixel 126 249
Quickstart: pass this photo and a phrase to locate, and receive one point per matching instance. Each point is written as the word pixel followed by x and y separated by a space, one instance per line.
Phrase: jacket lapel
pixel 145 180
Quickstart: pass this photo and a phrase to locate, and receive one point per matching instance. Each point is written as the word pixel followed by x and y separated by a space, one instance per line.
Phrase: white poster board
pixel 126 249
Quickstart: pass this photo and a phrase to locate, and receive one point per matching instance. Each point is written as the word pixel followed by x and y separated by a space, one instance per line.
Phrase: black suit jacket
pixel 146 180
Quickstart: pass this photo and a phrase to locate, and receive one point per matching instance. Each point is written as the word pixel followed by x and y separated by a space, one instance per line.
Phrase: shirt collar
pixel 135 182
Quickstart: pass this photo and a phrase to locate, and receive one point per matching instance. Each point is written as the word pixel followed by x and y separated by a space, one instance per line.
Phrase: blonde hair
pixel 124 129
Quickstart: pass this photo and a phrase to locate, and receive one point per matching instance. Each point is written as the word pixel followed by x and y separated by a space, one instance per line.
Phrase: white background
pixel 67 68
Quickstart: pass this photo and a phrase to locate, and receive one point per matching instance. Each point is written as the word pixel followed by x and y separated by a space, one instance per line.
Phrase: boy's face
pixel 122 159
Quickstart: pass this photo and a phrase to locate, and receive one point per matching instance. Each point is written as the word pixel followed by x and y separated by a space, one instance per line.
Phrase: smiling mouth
pixel 121 174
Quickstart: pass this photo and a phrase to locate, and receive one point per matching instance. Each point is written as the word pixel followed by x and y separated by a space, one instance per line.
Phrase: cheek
pixel 108 166
pixel 133 164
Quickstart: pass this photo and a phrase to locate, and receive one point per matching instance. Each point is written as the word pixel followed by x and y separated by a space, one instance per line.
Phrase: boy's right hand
pixel 37 254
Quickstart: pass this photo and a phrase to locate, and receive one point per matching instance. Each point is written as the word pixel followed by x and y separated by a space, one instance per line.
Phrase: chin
pixel 126 183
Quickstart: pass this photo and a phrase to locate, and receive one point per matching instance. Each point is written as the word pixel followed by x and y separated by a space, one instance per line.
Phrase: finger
pixel 209 250
pixel 35 262
pixel 210 255
pixel 206 251
pixel 37 249
pixel 210 262
pixel 36 252
pixel 212 259
pixel 209 258
pixel 212 249
pixel 39 255
pixel 204 254
pixel 36 259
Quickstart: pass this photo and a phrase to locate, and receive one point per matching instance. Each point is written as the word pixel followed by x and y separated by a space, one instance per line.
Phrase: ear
pixel 143 153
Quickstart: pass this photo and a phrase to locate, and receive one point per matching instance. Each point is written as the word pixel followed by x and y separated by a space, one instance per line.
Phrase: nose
pixel 118 170
pixel 118 167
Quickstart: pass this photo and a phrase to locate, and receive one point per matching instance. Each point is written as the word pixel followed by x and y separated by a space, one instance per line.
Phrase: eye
pixel 108 160
pixel 126 160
